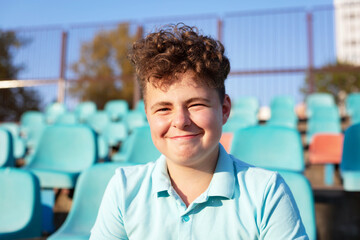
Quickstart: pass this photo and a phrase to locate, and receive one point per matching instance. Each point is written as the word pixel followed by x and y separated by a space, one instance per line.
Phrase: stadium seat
pixel 240 118
pixel 98 121
pixel 322 126
pixel 283 102
pixel 247 102
pixel 352 103
pixel 19 146
pixel 138 148
pixel 32 124
pixel 63 152
pixel 350 162
pixel 318 100
pixel 53 111
pixel 84 110
pixel 303 195
pixel 66 118
pixel 285 117
pixel 115 133
pixel 81 218
pixel 272 147
pixel 326 149
pixel 134 119
pixel 20 207
pixel 6 149
pixel 140 107
pixel 116 109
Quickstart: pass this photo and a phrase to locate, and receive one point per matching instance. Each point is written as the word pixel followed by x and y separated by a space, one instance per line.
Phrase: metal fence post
pixel 61 82
pixel 309 21
pixel 220 25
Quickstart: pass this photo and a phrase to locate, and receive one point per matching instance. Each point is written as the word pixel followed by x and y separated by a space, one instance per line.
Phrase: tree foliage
pixel 103 71
pixel 13 101
pixel 338 78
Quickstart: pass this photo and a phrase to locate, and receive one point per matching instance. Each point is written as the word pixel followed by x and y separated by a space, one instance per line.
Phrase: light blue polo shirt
pixel 241 202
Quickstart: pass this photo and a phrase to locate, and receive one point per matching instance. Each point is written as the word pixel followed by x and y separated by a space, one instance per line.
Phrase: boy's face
pixel 186 120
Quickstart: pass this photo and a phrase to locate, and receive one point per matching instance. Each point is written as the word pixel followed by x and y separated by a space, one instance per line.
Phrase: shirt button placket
pixel 185 227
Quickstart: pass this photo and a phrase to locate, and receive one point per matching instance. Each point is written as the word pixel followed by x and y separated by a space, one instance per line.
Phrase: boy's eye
pixel 163 109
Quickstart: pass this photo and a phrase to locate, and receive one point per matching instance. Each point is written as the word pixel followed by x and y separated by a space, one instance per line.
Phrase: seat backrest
pixel 326 148
pixel 6 148
pixel 351 151
pixel 325 113
pixel 140 148
pixel 250 103
pixel 116 109
pixel 89 191
pixel 98 121
pixel 53 111
pixel 352 103
pixel 303 195
pixel 70 148
pixel 66 118
pixel 134 119
pixel 272 147
pixel 283 102
pixel 318 99
pixel 114 133
pixel 316 127
pixel 83 110
pixel 20 205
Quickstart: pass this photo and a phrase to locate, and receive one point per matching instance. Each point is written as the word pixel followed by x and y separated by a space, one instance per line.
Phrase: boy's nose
pixel 181 119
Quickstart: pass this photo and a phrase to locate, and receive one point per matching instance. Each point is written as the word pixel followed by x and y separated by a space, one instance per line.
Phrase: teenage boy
pixel 195 190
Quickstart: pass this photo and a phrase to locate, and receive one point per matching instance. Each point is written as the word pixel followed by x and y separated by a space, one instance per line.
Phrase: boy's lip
pixel 185 136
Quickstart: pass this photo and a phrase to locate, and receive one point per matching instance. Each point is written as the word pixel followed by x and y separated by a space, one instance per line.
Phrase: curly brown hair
pixel 162 56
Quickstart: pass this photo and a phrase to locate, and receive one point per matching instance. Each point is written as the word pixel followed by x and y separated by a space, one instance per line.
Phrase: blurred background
pixel 295 63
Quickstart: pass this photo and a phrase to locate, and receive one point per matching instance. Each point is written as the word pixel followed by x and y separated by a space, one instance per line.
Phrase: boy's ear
pixel 226 108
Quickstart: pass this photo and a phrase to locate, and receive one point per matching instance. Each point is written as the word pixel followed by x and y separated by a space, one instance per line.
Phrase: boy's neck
pixel 190 183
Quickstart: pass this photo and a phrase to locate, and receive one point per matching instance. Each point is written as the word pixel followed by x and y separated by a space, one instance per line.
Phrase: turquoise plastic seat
pixel 350 162
pixel 239 121
pixel 272 147
pixel 53 111
pixel 246 102
pixel 282 102
pixel 322 126
pixel 134 119
pixel 84 110
pixel 116 109
pixel 318 99
pixel 63 152
pixel 19 146
pixel 98 121
pixel 355 118
pixel 140 107
pixel 81 218
pixel 6 149
pixel 32 126
pixel 352 103
pixel 66 118
pixel 303 195
pixel 285 117
pixel 20 207
pixel 138 148
pixel 115 133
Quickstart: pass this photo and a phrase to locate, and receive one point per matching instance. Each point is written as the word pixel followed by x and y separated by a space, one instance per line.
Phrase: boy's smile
pixel 186 120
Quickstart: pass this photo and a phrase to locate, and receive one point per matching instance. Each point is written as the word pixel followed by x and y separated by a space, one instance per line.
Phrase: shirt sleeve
pixel 280 214
pixel 109 223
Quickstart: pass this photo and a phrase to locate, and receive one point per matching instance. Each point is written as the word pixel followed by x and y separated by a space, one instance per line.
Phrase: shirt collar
pixel 222 183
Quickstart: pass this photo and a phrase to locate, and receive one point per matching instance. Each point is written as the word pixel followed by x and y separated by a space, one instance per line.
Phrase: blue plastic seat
pixel 98 121
pixel 322 126
pixel 32 125
pixel 134 119
pixel 285 117
pixel 116 109
pixel 20 207
pixel 81 218
pixel 246 102
pixel 352 103
pixel 53 111
pixel 115 133
pixel 66 118
pixel 18 142
pixel 63 152
pixel 272 147
pixel 283 102
pixel 350 162
pixel 84 110
pixel 138 148
pixel 318 100
pixel 140 107
pixel 239 121
pixel 6 149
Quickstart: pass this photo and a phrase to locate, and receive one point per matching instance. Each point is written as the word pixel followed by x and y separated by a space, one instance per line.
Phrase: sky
pixel 33 13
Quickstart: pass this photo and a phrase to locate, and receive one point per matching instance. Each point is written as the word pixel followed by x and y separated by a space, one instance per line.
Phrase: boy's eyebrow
pixel 166 104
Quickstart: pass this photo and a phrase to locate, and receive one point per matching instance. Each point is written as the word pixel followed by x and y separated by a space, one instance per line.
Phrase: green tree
pixel 103 71
pixel 336 79
pixel 13 101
